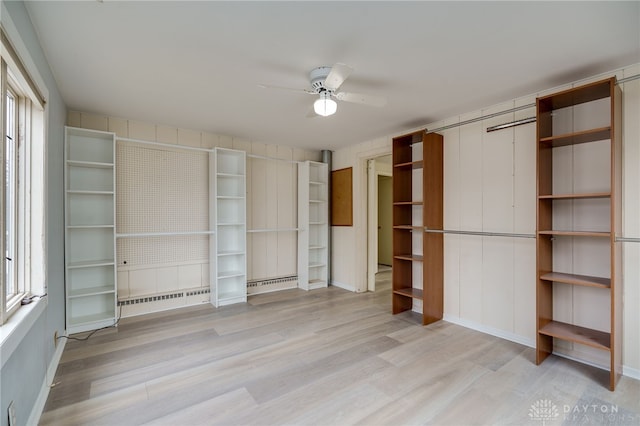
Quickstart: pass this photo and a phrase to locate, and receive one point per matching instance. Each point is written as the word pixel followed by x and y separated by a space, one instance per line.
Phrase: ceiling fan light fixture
pixel 325 106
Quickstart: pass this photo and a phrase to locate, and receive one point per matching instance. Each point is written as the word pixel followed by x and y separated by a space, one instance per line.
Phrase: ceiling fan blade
pixel 291 89
pixel 337 76
pixel 359 98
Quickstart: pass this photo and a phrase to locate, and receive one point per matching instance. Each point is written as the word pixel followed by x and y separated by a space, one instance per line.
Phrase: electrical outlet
pixel 55 339
pixel 12 415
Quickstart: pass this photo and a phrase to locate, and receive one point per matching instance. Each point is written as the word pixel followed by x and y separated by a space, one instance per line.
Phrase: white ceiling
pixel 197 65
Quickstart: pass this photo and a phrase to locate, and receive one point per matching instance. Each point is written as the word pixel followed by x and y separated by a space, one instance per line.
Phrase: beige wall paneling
pixel 471 174
pixel 582 168
pixel 562 219
pixel 94 121
pixel 204 275
pixel 497 170
pixel 452 211
pixel 123 284
pixel 166 134
pixel 471 219
pixel 343 237
pixel 270 210
pixel 189 276
pixel 471 278
pixel 631 221
pixel 497 216
pixel 73 119
pixel 256 202
pixel 191 138
pixel 142 282
pixel 299 154
pixel 524 222
pixel 241 145
pixel 225 141
pixel 167 278
pixel 349 256
pixel 287 202
pixel 209 140
pixel 119 126
pixel 142 131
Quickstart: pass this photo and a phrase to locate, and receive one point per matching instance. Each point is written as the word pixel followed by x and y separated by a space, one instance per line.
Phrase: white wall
pixel 490 186
pixel 163 265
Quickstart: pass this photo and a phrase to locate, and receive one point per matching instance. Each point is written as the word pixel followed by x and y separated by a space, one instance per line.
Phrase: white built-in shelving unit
pixel 90 229
pixel 313 222
pixel 230 269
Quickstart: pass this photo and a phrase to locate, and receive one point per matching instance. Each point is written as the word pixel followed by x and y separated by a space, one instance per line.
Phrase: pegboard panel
pixel 161 190
pixel 162 250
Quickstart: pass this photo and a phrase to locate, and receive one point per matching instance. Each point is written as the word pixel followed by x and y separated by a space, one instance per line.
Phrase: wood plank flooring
pixel 325 357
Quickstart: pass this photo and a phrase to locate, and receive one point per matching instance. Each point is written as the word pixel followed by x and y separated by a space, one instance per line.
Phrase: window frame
pixel 27 218
pixel 13 259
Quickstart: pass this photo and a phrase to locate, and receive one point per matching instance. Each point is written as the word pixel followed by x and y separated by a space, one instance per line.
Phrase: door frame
pixel 372 219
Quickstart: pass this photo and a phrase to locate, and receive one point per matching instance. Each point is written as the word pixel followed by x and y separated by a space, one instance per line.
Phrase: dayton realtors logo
pixel 543 410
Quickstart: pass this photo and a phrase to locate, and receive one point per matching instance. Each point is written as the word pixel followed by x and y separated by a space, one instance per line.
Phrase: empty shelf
pixel 573 333
pixel 576 279
pixel 414 293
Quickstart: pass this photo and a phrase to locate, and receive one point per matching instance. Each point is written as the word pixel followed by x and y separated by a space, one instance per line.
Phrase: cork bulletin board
pixel 342 197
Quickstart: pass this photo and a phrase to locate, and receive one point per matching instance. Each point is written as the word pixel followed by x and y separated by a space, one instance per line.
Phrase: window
pixel 22 227
pixel 13 292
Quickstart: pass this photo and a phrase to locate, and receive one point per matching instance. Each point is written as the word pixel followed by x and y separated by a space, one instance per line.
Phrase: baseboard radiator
pixel 268 285
pixel 161 302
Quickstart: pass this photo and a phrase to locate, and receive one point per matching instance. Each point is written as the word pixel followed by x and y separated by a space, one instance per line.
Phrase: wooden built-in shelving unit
pixel 417 204
pixel 553 114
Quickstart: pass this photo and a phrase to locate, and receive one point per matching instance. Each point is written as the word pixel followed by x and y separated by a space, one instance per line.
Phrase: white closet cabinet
pixel 89 229
pixel 313 222
pixel 230 249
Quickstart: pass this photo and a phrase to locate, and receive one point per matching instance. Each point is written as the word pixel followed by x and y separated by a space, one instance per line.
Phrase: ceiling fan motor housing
pixel 317 77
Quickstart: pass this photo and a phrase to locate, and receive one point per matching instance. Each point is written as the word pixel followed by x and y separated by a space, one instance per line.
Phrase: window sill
pixel 18 326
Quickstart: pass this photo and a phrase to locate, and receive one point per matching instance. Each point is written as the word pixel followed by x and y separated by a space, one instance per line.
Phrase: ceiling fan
pixel 325 83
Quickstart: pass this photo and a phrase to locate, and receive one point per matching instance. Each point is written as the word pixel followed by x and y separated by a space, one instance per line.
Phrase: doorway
pixel 379 215
pixel 385 209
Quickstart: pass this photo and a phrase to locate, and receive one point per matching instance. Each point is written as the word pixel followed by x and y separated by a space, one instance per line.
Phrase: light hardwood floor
pixel 325 357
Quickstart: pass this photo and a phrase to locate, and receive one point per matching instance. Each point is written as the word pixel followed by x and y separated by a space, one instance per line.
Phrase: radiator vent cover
pixel 176 295
pixel 267 285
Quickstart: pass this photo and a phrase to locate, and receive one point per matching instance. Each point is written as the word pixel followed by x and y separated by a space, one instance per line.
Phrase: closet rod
pixel 627 240
pixel 511 124
pixel 193 148
pixel 479 233
pixel 506 234
pixel 520 108
pixel 261 157
pixel 482 117
pixel 162 234
pixel 168 145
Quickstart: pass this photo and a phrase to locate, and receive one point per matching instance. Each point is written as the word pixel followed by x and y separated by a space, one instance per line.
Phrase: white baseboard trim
pixel 344 286
pixel 490 330
pixel 36 411
pixel 634 373
pixel 581 360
